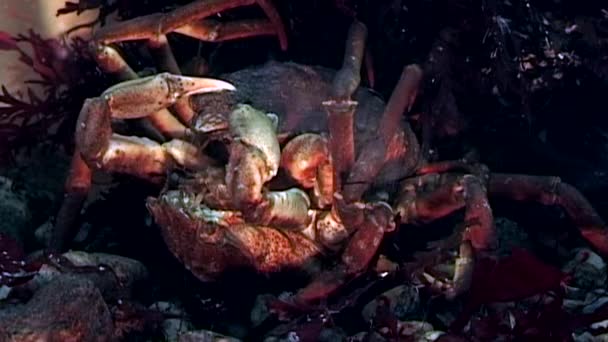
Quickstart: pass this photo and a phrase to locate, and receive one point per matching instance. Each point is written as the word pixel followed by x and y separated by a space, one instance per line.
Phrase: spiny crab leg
pixel 151 26
pixel 552 191
pixel 376 221
pixel 186 20
pixel 213 31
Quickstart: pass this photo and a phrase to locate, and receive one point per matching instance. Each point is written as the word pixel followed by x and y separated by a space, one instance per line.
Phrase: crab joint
pixel 287 208
pixel 141 97
pixel 148 159
pixel 257 130
pixel 254 156
pixel 306 159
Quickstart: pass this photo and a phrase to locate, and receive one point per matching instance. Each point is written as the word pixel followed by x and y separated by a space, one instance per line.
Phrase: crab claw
pixel 143 96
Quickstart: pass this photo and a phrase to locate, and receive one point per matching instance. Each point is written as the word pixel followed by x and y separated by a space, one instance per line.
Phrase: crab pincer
pixel 101 148
pixel 140 97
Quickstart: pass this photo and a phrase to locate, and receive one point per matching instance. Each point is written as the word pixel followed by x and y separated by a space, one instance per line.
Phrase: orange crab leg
pixel 212 31
pixel 452 193
pixel 372 157
pixel 341 108
pixel 161 50
pixel 77 188
pixel 377 220
pixel 111 62
pixel 98 147
pixel 185 20
pixel 552 191
pixel 452 166
pixel 151 26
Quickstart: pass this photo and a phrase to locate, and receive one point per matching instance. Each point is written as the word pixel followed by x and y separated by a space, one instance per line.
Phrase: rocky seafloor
pixel 121 284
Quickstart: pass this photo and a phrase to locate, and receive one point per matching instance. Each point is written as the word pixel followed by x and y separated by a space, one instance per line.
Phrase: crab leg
pixel 341 111
pixel 160 48
pixel 110 61
pixel 552 191
pixel 255 157
pixel 153 25
pixel 377 220
pixel 213 31
pixel 76 189
pixel 452 193
pixel 453 166
pixel 372 157
pixel 341 108
pixel 306 159
pixel 98 147
pixel 143 157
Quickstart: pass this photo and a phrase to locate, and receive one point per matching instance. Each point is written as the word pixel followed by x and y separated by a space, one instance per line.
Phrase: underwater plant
pixel 47 107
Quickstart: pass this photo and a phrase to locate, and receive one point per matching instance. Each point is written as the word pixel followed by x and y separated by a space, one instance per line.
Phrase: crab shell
pixel 210 241
pixel 295 93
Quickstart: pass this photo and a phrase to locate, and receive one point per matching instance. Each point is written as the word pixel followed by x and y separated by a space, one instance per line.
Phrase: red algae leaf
pixel 7 42
pixel 515 277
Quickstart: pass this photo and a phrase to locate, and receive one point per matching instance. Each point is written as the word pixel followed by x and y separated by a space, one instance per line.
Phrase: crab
pixel 285 165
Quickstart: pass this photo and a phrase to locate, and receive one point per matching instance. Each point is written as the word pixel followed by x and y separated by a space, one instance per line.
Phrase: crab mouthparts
pixel 191 205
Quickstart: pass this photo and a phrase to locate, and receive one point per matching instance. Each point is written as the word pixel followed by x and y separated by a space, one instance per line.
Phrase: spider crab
pixel 305 160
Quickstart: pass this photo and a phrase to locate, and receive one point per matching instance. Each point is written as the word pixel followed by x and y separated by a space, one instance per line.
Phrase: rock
pixel 367 337
pixel 15 216
pixel 414 331
pixel 69 308
pixel 44 233
pixel 332 334
pixel 114 275
pixel 588 270
pixel 510 235
pixel 260 311
pixel 417 331
pixel 172 328
pixel 403 300
pixel 205 336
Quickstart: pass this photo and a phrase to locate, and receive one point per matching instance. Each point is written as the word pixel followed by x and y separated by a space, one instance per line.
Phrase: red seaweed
pixel 46 109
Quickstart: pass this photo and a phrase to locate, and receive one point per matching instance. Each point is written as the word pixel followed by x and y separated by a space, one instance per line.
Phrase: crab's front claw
pixel 255 157
pixel 100 148
pixel 143 96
